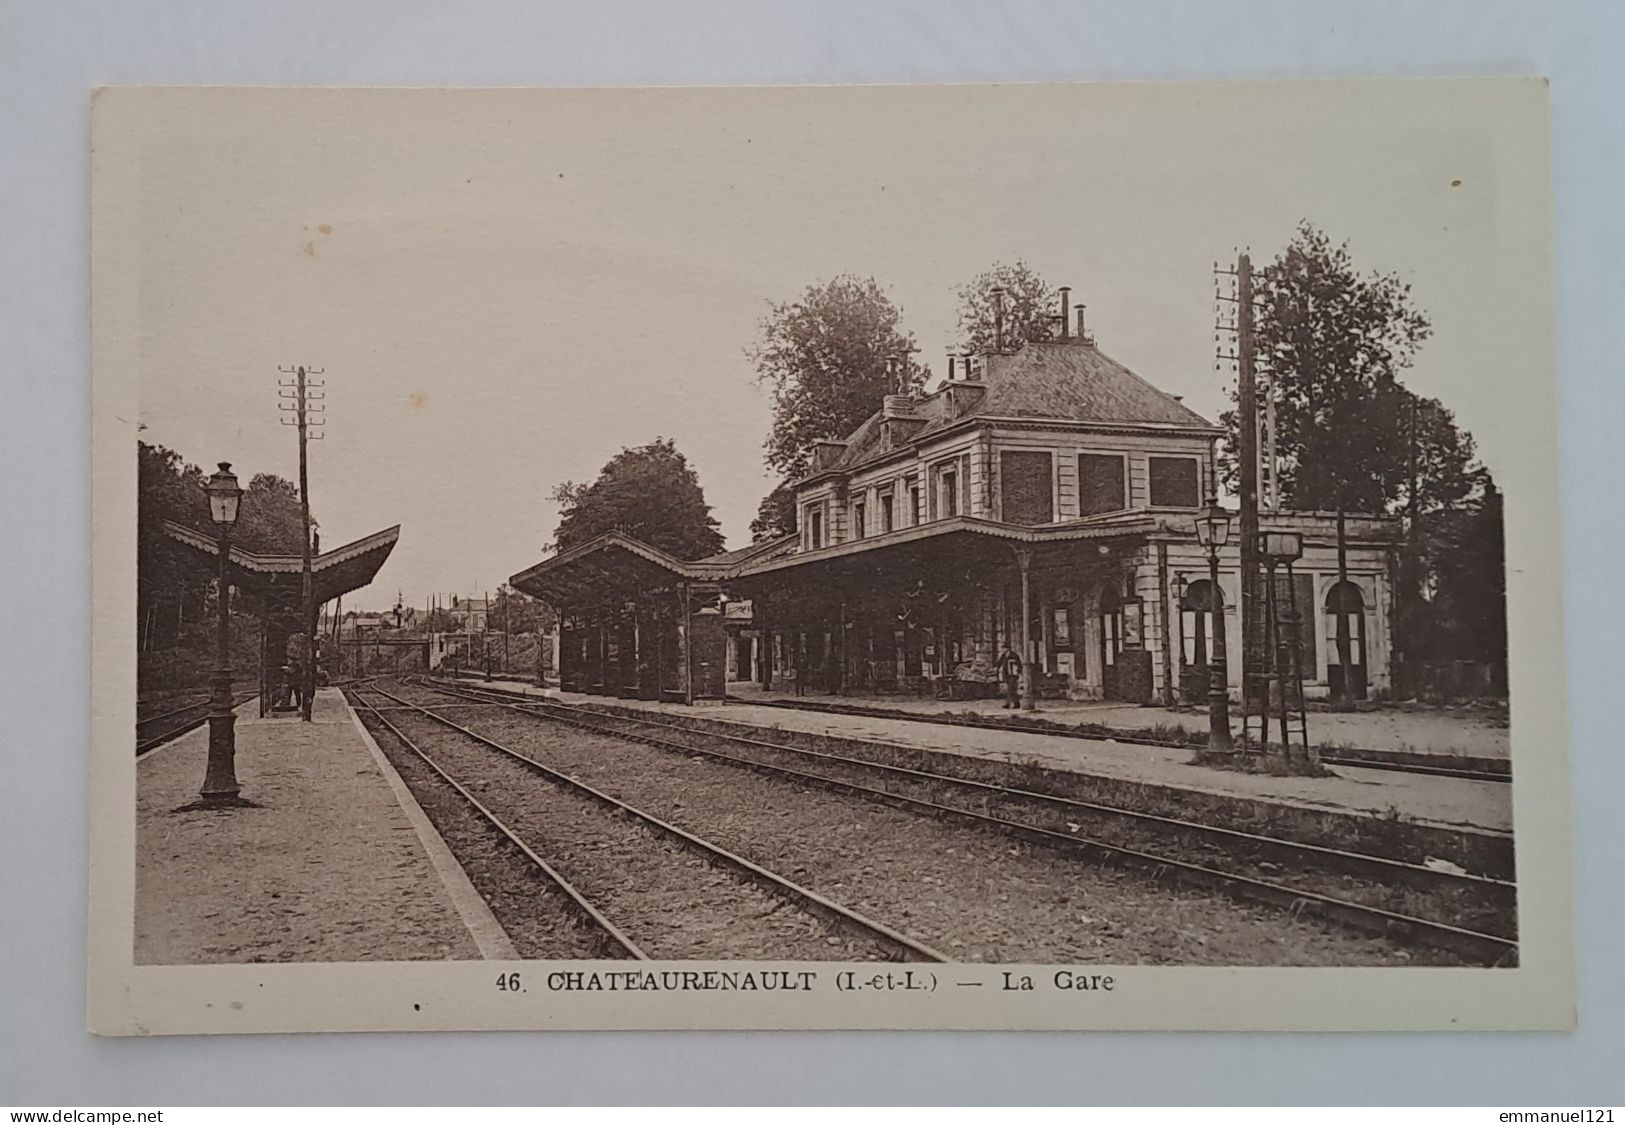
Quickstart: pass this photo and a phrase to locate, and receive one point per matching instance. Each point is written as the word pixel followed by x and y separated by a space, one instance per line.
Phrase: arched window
pixel 1345 602
pixel 1196 623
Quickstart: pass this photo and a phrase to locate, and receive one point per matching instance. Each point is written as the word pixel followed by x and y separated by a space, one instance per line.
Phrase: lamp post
pixel 1213 532
pixel 220 779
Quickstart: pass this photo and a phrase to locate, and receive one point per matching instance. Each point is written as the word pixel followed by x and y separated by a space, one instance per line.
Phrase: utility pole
pixel 298 394
pixel 1244 362
pixel 1406 586
pixel 1252 638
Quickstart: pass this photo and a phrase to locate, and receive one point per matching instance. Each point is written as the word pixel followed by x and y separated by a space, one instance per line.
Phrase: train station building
pixel 1050 483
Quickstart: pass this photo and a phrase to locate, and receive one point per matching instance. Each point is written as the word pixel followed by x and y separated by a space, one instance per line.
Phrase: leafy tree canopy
pixel 513 612
pixel 777 514
pixel 1334 341
pixel 1029 303
pixel 650 493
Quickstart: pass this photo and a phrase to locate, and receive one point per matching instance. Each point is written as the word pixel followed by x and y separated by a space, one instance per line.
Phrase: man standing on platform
pixel 1010 673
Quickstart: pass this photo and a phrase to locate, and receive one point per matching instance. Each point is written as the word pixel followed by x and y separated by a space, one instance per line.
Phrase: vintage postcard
pixel 1036 556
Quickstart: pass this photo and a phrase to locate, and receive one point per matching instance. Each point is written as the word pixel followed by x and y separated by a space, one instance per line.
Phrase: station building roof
pixel 616 567
pixel 1068 382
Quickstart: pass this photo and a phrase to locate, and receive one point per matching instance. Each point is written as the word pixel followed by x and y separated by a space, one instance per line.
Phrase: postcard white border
pixel 1539 994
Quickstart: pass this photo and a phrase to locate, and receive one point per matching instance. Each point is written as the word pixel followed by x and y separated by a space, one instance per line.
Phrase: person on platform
pixel 1010 673
pixel 298 673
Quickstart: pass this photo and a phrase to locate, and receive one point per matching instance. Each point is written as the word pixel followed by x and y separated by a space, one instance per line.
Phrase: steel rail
pixel 795 892
pixel 145 746
pixel 1382 868
pixel 602 924
pixel 1470 944
pixel 193 706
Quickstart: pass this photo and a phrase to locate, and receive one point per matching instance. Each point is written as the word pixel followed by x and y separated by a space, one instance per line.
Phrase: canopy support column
pixel 1029 661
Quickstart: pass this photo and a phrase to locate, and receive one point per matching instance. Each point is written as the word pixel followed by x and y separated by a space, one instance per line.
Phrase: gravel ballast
pixel 1489 910
pixel 536 915
pixel 668 898
pixel 974 894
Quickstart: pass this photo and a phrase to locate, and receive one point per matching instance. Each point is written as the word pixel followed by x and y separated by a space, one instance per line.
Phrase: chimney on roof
pixel 998 318
pixel 969 366
pixel 892 383
pixel 1083 335
pixel 1066 296
pixel 951 358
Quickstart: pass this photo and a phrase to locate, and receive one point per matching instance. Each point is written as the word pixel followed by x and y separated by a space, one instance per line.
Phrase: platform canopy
pixel 333 573
pixel 942 550
pixel 616 567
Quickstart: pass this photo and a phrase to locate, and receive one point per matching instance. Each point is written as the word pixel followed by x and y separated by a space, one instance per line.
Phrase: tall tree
pixel 1467 574
pixel 513 612
pixel 173 585
pixel 1028 302
pixel 649 492
pixel 825 357
pixel 269 518
pixel 1452 567
pixel 168 589
pixel 1334 341
pixel 776 515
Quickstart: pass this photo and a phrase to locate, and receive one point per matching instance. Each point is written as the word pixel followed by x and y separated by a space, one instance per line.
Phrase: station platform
pixel 1428 800
pixel 1462 732
pixel 336 863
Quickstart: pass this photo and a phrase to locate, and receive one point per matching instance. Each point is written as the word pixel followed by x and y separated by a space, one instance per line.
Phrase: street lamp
pixel 1213 532
pixel 220 781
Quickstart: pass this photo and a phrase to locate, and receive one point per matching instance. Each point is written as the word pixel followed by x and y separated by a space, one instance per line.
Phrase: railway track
pixel 155 730
pixel 613 817
pixel 1042 819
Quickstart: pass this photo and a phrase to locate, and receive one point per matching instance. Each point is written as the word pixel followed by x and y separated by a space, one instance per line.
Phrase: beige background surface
pixel 55 53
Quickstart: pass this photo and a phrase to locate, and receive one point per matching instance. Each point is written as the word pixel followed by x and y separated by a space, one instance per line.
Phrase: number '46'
pixel 508 982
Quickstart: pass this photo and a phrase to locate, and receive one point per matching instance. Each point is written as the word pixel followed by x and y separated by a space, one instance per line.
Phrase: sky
pixel 504 288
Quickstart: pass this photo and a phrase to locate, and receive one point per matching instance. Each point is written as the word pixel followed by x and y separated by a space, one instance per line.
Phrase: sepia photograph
pixel 958 556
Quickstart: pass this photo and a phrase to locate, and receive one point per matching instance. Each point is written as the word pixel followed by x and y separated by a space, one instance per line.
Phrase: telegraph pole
pixel 1252 639
pixel 1244 362
pixel 298 394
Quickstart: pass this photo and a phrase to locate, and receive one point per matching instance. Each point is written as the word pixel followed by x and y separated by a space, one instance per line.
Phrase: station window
pixel 1101 484
pixel 948 500
pixel 815 528
pixel 885 513
pixel 1174 482
pixel 860 514
pixel 1026 486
